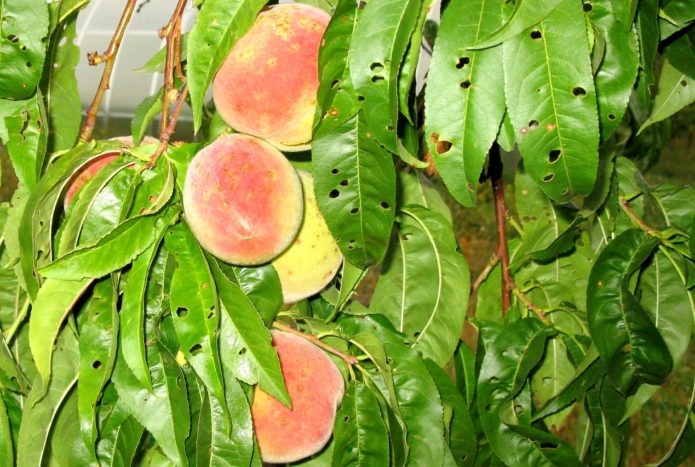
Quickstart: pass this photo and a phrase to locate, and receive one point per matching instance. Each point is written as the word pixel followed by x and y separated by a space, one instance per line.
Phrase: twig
pixel 492 262
pixel 166 136
pixel 172 33
pixel 110 58
pixel 495 172
pixel 540 312
pixel 349 359
pixel 625 205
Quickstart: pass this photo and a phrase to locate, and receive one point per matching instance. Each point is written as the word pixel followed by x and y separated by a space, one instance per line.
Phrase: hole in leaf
pixel 548 178
pixel 376 67
pixel 416 334
pixel 547 445
pixel 377 78
pixel 360 98
pixel 488 408
pixel 565 191
pixel 494 380
pixel 335 83
pixel 611 117
pixel 587 7
pixel 12 38
pixel 533 124
pixel 385 205
pixel 334 194
pixel 361 4
pixel 28 64
pixel 684 83
pixel 354 210
pixel 389 128
pixel 211 314
pixel 440 146
pixel 465 84
pixel 181 312
pixel 578 91
pixel 335 171
pixel 536 34
pixel 389 360
pixel 554 155
pixel 518 409
pixel 462 61
pixel 242 351
pixel 344 182
pixel 96 365
pixel 346 419
pixel 196 349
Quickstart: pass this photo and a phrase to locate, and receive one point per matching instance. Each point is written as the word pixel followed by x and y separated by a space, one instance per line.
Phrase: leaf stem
pixel 625 205
pixel 109 56
pixel 9 334
pixel 540 312
pixel 349 359
pixel 502 252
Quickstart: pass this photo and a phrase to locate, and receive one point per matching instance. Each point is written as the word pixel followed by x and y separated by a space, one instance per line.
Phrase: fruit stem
pixel 110 58
pixel 502 252
pixel 349 359
pixel 166 136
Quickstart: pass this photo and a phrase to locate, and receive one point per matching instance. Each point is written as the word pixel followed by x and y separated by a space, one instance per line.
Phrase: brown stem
pixel 169 131
pixel 492 262
pixel 170 32
pixel 625 205
pixel 349 359
pixel 110 58
pixel 495 172
pixel 529 304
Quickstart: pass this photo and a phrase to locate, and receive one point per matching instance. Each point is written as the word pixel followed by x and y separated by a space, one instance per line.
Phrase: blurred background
pixel 665 160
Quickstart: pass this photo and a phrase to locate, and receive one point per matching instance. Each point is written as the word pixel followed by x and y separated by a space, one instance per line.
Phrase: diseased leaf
pixel 464 98
pixel 675 91
pixel 552 102
pixel 423 289
pixel 211 39
pixel 628 341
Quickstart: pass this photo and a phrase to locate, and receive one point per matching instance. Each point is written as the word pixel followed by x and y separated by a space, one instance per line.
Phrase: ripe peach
pixel 315 386
pixel 267 85
pixel 242 199
pixel 89 170
pixel 312 260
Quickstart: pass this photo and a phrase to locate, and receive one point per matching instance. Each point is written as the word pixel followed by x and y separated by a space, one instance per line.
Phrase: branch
pixel 110 58
pixel 172 33
pixel 349 359
pixel 540 312
pixel 502 252
pixel 165 137
pixel 625 205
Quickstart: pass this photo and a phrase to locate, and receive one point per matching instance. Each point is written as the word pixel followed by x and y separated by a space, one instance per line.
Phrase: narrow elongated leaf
pixel 464 98
pixel 683 445
pixel 6 448
pixel 675 91
pixel 53 302
pixel 360 433
pixel 384 25
pixel 98 343
pixel 625 336
pixel 552 102
pixel 113 251
pixel 423 289
pixel 26 144
pixel 66 444
pixel 355 185
pixel 407 75
pixel 648 38
pixel 246 342
pixel 261 284
pixel 119 437
pixel 526 13
pixel 604 406
pixel 22 46
pixel 44 402
pixel 148 109
pixel 681 53
pixel 211 39
pixel 195 309
pixel 417 189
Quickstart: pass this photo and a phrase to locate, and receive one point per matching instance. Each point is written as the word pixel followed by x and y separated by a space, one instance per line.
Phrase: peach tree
pixel 140 277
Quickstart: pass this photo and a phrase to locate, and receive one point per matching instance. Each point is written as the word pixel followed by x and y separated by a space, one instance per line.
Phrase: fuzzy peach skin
pixel 315 386
pixel 89 170
pixel 313 259
pixel 242 199
pixel 267 85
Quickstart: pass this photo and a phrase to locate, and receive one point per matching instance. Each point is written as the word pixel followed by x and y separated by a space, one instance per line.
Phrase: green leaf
pixel 509 357
pixel 464 98
pixel 647 28
pixel 246 342
pixel 261 284
pixel 195 309
pixel 157 63
pixel 54 301
pixel 113 251
pixel 683 445
pixel 386 26
pixel 66 444
pixel 416 189
pixel 22 46
pixel 605 406
pixel 119 435
pixel 355 185
pixel 625 336
pixel 526 13
pixel 211 39
pixel 26 144
pixel 148 109
pixel 164 411
pixel 552 102
pixel 673 205
pixel 424 286
pixel 6 448
pixel 62 95
pixel 675 91
pixel 360 433
pixel 44 402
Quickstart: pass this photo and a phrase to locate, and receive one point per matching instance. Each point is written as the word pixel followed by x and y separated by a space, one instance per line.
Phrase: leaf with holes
pixel 416 189
pixel 355 185
pixel 618 69
pixel 623 332
pixel 22 46
pixel 195 309
pixel 424 285
pixel 464 98
pixel 245 341
pixel 212 37
pixel 386 26
pixel 681 53
pixel 526 13
pixel 26 144
pixel 675 91
pixel 98 343
pixel 360 432
pixel 552 102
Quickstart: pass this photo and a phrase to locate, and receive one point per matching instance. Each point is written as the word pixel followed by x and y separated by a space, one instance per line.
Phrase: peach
pixel 89 170
pixel 267 85
pixel 242 199
pixel 313 259
pixel 315 386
